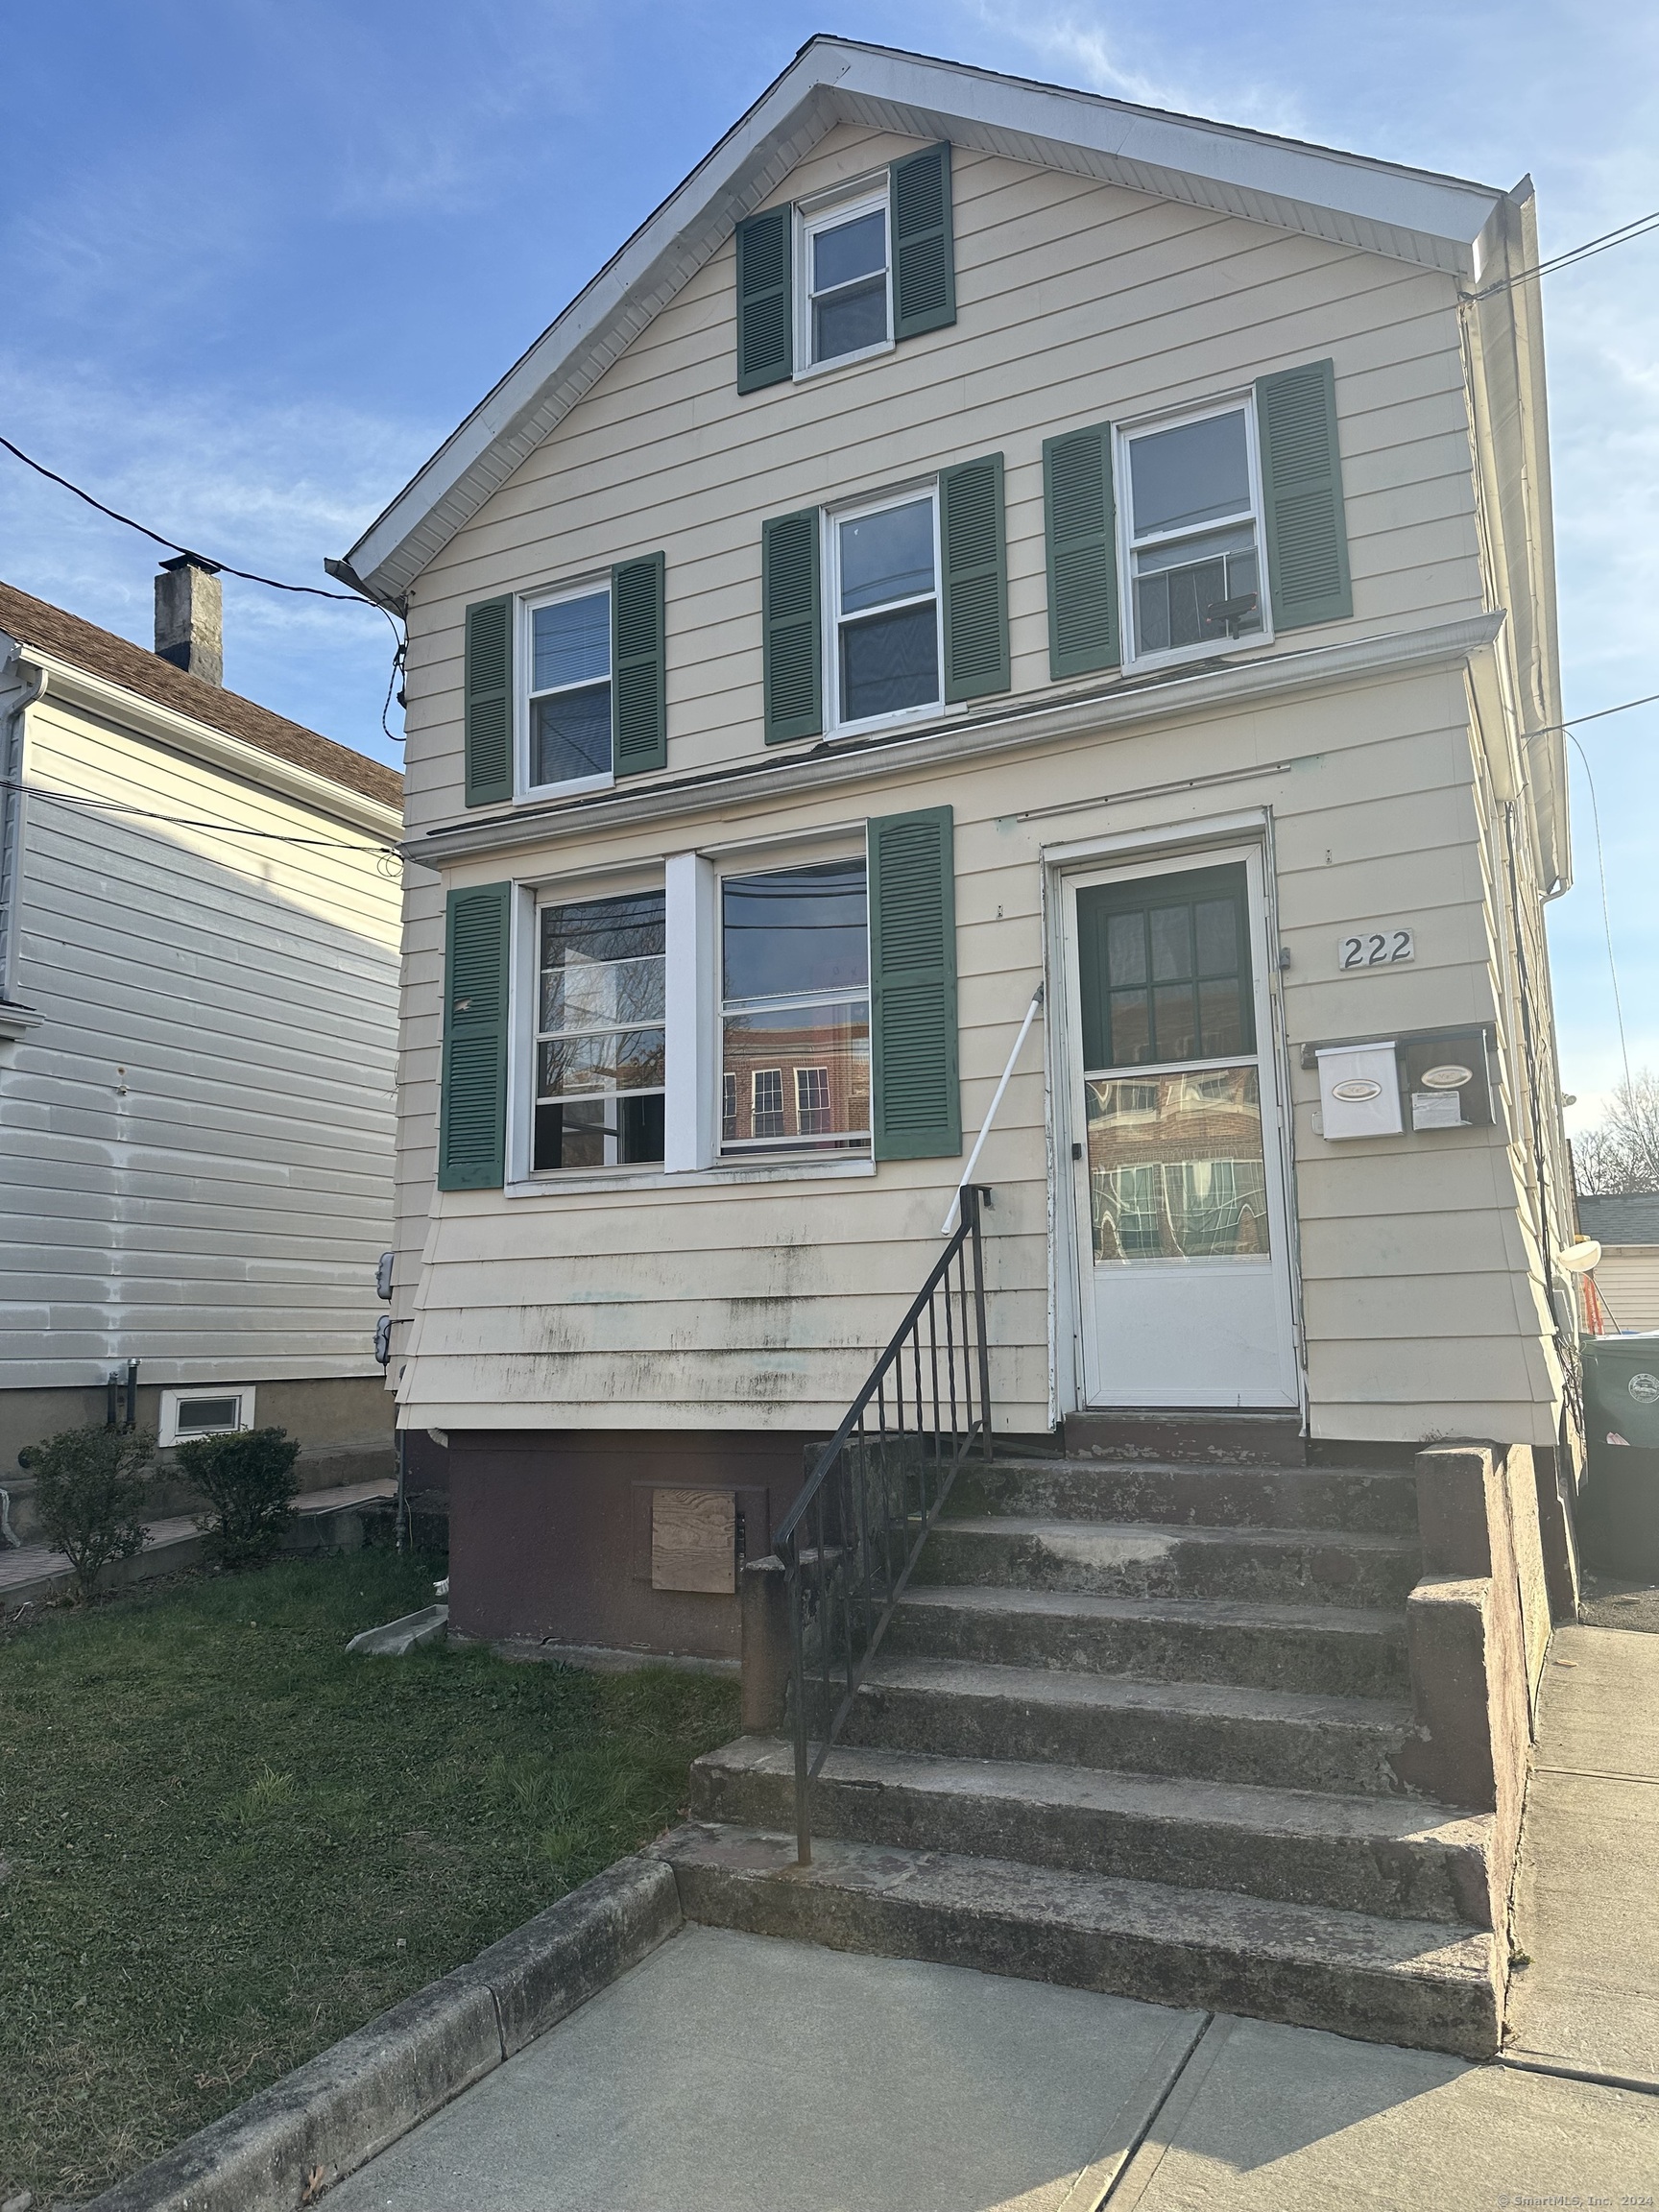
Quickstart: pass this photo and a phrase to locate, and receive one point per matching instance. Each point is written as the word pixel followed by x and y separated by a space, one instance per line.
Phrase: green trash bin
pixel 1621 1410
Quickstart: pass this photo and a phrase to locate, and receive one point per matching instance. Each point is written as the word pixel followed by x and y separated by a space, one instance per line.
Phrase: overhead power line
pixel 246 575
pixel 1625 234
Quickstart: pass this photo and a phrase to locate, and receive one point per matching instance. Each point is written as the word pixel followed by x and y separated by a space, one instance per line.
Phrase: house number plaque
pixel 1388 947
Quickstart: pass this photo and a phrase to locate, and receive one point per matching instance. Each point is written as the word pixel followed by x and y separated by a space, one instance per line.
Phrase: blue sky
pixel 260 256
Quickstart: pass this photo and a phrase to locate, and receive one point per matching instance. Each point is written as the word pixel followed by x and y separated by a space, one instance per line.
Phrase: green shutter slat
pixel 792 627
pixel 924 243
pixel 916 1091
pixel 487 702
pixel 1081 537
pixel 472 1116
pixel 765 302
pixel 638 666
pixel 975 565
pixel 1308 579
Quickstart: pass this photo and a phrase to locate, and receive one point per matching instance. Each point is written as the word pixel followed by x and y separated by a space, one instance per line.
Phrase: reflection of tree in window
pixel 1186 1181
pixel 599 1040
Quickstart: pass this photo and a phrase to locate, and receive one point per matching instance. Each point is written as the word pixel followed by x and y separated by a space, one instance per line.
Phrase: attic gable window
pixel 1192 528
pixel 845 310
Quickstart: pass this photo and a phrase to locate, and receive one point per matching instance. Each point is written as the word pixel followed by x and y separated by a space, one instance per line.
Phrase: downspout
pixel 11 824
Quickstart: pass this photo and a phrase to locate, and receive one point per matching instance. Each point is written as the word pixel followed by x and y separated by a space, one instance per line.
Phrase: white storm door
pixel 1178 1180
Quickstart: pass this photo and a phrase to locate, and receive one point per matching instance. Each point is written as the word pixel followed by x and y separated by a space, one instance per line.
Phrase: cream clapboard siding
pixel 1076 303
pixel 746 1306
pixel 721 1307
pixel 198 1154
pixel 1628 1278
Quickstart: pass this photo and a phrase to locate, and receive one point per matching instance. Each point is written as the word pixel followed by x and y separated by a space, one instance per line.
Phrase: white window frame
pixel 529 604
pixel 827 212
pixel 1124 435
pixel 694 1098
pixel 830 566
pixel 240 1393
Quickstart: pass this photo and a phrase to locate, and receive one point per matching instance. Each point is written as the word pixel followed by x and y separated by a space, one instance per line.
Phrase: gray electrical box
pixel 1447 1081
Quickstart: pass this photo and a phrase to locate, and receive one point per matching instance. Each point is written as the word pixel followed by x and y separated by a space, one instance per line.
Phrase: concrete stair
pixel 1134 1727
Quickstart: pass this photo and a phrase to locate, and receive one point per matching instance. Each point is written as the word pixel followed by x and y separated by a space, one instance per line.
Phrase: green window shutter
pixel 915 1095
pixel 765 302
pixel 791 623
pixel 472 1120
pixel 1081 534
pixel 638 678
pixel 1307 578
pixel 976 562
pixel 487 681
pixel 924 243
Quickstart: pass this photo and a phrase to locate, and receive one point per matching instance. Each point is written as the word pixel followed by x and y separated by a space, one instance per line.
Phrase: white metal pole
pixel 985 1125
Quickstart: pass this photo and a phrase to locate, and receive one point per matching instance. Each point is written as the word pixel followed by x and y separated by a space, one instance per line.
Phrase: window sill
pixel 844 361
pixel 1207 649
pixel 693 1179
pixel 577 787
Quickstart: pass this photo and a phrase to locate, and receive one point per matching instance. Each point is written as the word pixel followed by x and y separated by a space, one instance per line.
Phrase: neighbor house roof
pixel 1630 1217
pixel 118 661
pixel 1408 214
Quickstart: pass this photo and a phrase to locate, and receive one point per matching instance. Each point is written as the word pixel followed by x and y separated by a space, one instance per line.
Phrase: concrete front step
pixel 1216 1438
pixel 1370 1500
pixel 1273 1566
pixel 1215 1731
pixel 1342 1651
pixel 1384 1980
pixel 1401 1859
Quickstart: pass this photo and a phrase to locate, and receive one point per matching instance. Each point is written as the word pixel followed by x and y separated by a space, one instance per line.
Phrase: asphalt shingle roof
pixel 118 661
pixel 1627 1219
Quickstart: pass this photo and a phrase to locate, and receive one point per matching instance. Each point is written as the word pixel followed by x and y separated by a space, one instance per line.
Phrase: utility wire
pixel 77 803
pixel 1625 234
pixel 1606 917
pixel 246 575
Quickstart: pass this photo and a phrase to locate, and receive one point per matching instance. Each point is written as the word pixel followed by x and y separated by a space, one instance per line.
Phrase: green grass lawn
pixel 224 1844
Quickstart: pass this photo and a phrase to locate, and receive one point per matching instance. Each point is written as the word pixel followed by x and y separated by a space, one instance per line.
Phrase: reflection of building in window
pixel 766 1113
pixel 599 1037
pixel 794 1009
pixel 1185 1180
pixel 812 1112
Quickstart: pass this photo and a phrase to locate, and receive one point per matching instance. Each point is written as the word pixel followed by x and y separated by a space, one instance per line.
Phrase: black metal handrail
pixel 851 1539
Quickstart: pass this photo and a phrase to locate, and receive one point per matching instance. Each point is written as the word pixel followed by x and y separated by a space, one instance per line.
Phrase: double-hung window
pixel 845 307
pixel 570 690
pixel 1192 531
pixel 885 599
pixel 795 1010
pixel 599 1033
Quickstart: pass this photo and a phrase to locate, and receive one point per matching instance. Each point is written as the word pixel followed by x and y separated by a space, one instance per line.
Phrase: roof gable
pixel 1407 214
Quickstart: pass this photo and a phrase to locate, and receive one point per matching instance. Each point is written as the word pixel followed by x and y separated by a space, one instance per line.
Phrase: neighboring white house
pixel 977 534
pixel 198 922
pixel 1626 1227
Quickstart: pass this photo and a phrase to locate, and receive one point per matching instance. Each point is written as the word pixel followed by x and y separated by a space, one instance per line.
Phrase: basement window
pixel 206 1410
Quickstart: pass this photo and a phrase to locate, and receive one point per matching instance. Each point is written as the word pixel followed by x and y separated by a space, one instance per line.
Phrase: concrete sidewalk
pixel 733 2073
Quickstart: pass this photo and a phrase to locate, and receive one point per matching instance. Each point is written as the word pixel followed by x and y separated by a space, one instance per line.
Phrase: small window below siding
pixel 1192 526
pixel 204 1410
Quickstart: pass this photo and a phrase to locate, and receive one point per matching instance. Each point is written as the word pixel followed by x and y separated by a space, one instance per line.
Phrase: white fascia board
pixel 1407 214
pixel 68 685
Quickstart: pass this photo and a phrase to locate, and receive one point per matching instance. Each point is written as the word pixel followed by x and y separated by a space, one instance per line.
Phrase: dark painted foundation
pixel 549 1532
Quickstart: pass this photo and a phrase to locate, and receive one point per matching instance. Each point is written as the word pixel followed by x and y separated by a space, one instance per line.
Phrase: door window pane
pixel 599 1040
pixel 1165 973
pixel 1183 1178
pixel 795 1016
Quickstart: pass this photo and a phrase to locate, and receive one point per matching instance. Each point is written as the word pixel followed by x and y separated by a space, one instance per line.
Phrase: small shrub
pixel 90 1489
pixel 249 1482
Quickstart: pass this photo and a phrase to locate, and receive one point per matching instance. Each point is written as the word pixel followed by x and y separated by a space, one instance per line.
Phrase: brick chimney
pixel 190 617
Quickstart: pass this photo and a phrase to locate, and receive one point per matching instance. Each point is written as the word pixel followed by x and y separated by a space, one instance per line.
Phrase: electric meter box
pixel 1447 1081
pixel 1358 1092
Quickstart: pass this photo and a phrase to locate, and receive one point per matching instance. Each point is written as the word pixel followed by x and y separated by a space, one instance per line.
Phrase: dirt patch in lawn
pixel 226 1845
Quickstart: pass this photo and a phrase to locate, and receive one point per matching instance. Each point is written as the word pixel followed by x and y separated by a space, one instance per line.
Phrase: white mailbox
pixel 1358 1092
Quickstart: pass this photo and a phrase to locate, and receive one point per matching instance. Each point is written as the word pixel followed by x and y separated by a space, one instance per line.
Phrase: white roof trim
pixel 1407 214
